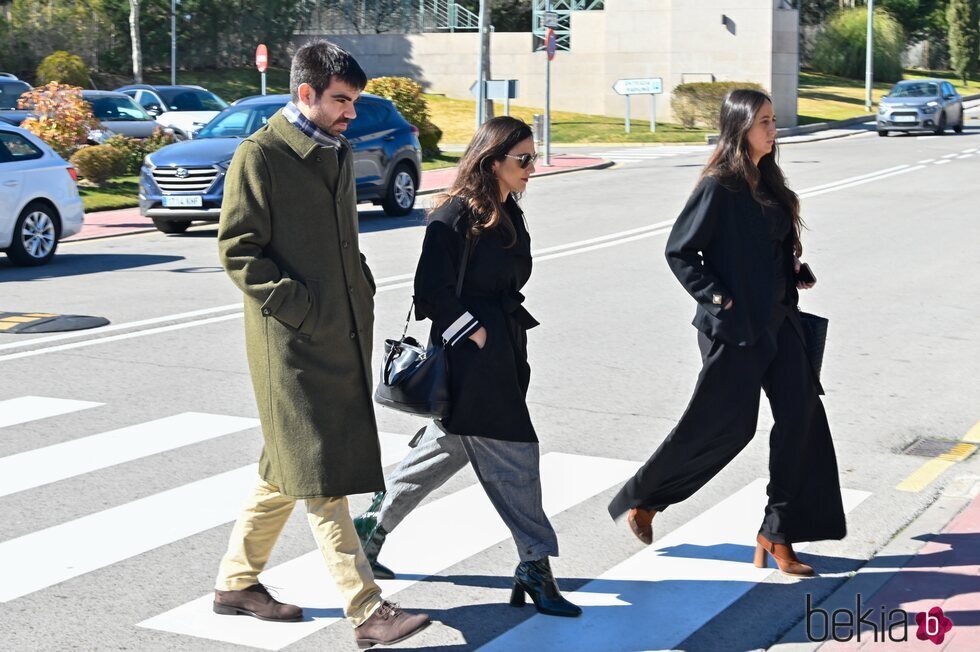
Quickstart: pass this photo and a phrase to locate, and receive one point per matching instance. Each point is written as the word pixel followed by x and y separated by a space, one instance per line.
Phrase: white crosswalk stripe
pixel 466 518
pixel 704 565
pixel 45 465
pixel 25 409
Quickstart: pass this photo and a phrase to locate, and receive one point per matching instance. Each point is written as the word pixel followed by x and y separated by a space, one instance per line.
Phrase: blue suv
pixel 184 182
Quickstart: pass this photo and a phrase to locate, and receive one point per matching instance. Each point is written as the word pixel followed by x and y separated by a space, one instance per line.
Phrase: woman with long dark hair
pixel 479 226
pixel 735 248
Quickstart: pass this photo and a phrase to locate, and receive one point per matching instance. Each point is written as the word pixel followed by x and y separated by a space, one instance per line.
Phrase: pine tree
pixel 963 17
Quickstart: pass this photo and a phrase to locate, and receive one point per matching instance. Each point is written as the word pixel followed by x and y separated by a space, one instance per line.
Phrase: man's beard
pixel 330 128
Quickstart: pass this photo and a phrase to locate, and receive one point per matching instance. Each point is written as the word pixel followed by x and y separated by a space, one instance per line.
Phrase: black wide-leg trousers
pixel 804 488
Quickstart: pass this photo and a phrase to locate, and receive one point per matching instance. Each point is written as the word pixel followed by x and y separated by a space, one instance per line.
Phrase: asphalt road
pixel 109 533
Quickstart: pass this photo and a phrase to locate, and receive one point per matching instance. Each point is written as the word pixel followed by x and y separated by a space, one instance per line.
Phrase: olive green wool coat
pixel 288 239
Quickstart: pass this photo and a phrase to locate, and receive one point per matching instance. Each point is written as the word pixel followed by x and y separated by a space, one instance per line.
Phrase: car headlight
pixel 931 107
pixel 224 164
pixel 148 163
pixel 882 109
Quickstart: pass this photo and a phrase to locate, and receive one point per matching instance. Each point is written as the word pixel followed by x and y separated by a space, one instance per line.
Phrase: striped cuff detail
pixel 462 328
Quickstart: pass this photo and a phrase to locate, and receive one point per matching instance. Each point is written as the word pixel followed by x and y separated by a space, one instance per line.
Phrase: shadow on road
pixel 65 264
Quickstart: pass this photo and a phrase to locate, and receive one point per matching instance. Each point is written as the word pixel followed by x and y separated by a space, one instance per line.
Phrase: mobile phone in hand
pixel 805 275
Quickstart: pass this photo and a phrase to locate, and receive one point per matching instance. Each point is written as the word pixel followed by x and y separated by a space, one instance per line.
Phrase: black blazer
pixel 719 249
pixel 489 385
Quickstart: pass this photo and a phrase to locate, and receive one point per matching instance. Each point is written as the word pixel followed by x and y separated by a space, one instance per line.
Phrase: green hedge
pixel 99 163
pixel 699 103
pixel 136 149
pixel 841 47
pixel 65 68
pixel 407 96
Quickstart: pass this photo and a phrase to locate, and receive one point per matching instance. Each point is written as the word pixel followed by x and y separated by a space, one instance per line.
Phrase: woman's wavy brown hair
pixel 476 183
pixel 731 161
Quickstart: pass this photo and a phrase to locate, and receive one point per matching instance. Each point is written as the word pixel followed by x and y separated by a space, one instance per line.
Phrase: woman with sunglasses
pixel 484 329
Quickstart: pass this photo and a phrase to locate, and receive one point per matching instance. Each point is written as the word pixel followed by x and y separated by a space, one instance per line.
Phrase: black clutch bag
pixel 415 379
pixel 815 338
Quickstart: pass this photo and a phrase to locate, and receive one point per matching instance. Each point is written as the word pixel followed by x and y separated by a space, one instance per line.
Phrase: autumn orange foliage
pixel 59 116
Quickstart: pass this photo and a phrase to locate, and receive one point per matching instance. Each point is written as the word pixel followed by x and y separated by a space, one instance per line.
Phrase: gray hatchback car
pixel 118 114
pixel 921 105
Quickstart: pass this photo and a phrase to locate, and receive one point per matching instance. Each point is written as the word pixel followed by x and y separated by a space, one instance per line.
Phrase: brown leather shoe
pixel 782 553
pixel 641 522
pixel 387 625
pixel 255 601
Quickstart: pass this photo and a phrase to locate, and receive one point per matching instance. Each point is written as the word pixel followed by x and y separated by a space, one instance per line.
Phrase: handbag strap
pixel 467 248
pixel 462 266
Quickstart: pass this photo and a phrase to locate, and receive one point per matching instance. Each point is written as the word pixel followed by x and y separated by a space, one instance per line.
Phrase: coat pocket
pixel 308 327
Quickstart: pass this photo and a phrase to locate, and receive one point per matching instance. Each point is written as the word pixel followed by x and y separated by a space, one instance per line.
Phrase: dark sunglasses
pixel 524 160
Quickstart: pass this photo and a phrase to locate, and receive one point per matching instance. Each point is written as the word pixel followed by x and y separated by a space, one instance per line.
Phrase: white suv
pixel 39 202
pixel 185 109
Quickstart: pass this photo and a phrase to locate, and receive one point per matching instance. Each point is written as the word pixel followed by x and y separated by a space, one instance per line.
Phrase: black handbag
pixel 415 379
pixel 815 338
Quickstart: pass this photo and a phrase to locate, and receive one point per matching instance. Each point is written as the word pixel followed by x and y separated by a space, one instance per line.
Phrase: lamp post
pixel 869 60
pixel 173 42
pixel 481 81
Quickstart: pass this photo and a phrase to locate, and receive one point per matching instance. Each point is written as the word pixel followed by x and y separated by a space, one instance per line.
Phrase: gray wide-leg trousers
pixel 509 472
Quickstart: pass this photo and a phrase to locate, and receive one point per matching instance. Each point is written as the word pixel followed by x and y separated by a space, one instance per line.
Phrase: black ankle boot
pixel 372 537
pixel 535 578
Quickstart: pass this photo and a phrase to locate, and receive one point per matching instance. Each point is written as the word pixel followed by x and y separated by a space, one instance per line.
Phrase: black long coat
pixel 719 249
pixel 489 385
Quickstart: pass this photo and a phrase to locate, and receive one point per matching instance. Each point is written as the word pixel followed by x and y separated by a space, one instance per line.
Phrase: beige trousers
pixel 257 529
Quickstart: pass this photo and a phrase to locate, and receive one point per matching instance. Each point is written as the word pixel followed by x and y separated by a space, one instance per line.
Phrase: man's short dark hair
pixel 319 63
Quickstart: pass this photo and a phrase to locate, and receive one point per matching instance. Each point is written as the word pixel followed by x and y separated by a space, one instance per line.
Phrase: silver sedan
pixel 921 105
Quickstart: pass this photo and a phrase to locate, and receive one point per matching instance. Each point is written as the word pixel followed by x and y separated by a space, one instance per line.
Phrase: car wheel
pixel 882 132
pixel 958 127
pixel 166 226
pixel 36 236
pixel 941 127
pixel 399 197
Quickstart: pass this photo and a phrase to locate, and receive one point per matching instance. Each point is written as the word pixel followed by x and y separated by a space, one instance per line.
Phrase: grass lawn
pixel 825 97
pixel 457 120
pixel 444 160
pixel 120 192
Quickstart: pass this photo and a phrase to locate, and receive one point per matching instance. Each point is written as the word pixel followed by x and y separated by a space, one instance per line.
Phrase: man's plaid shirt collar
pixel 301 122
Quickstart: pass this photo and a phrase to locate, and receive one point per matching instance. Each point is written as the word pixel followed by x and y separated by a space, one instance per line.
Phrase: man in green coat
pixel 288 239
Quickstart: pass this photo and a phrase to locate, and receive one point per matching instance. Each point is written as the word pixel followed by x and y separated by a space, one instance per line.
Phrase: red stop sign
pixel 261 57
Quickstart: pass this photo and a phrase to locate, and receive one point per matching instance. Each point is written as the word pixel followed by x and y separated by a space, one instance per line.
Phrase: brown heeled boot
pixel 641 522
pixel 783 555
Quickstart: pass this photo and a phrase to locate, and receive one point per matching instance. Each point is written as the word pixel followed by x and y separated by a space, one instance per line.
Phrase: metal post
pixel 263 82
pixel 173 42
pixel 627 113
pixel 507 105
pixel 869 57
pixel 481 99
pixel 653 113
pixel 547 108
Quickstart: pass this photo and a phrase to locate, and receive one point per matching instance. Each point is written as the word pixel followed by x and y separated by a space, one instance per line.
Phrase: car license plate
pixel 184 201
pixel 905 118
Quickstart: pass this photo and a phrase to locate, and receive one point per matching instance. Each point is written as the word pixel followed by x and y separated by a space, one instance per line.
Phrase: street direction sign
pixel 650 86
pixel 497 89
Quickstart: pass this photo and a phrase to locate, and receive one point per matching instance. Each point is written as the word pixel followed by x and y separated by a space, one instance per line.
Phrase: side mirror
pixel 154 111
